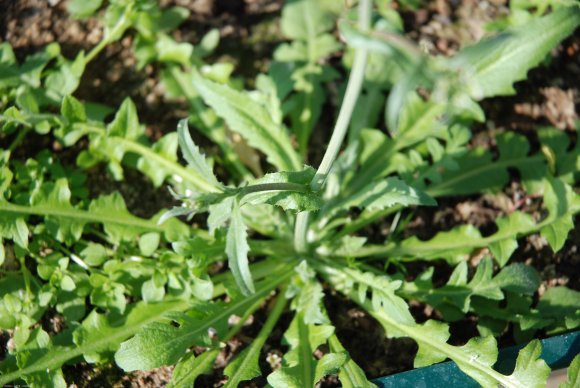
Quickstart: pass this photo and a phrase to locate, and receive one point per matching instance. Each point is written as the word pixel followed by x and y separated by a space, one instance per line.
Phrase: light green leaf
pixel 164 343
pixel 298 197
pixel 73 110
pixel 305 19
pixel 245 366
pixel 219 214
pixel 53 196
pixel 83 8
pixel 387 193
pixel 251 120
pixel 36 348
pixel 192 154
pixel 14 227
pixel 500 61
pixel 208 43
pixel 350 375
pixel 126 122
pixel 111 334
pixel 573 379
pixel 428 354
pixel 237 249
pixel 561 304
pixel 165 148
pixel 151 292
pixel 558 198
pixel 113 205
pixel 531 371
pixel 148 243
pixel 300 368
pixel 190 368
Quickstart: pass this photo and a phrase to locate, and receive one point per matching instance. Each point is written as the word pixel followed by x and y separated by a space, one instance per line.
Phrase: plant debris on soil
pixel 549 97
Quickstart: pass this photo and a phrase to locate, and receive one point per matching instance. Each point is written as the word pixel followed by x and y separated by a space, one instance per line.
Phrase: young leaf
pixel 57 196
pixel 192 154
pixel 250 120
pixel 117 329
pixel 558 199
pixel 245 366
pixel 162 343
pixel 126 123
pixel 300 368
pixel 36 348
pixel 297 197
pixel 114 205
pixel 350 375
pixel 531 371
pixel 237 249
pixel 219 214
pixel 190 368
pixel 387 193
pixel 573 379
pixel 500 61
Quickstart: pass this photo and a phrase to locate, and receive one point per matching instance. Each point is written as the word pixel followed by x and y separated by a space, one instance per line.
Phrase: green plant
pixel 151 291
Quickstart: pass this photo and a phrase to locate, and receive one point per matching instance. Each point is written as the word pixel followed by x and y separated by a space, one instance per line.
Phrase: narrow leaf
pixel 192 154
pixel 251 120
pixel 237 249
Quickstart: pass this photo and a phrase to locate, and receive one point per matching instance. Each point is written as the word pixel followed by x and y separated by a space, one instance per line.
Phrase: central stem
pixel 353 89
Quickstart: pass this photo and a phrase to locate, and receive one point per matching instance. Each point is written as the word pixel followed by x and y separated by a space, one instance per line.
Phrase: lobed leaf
pixel 250 120
pixel 192 154
pixel 298 197
pixel 190 368
pixel 500 61
pixel 573 375
pixel 237 249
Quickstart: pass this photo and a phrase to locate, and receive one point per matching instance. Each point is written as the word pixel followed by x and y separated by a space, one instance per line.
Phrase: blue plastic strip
pixel 557 351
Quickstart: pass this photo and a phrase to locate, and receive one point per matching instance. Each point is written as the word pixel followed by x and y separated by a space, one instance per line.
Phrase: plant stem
pixel 146 152
pixel 285 186
pixel 121 25
pixel 353 89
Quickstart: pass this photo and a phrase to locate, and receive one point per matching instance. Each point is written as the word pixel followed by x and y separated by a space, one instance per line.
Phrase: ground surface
pixel 549 97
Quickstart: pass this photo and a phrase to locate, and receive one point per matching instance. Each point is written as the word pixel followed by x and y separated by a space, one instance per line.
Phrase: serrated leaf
pixel 126 122
pixel 190 368
pixel 350 375
pixel 251 120
pixel 116 330
pixel 166 148
pixel 73 110
pixel 305 19
pixel 500 61
pixel 83 8
pixel 36 348
pixel 192 154
pixel 427 354
pixel 300 369
pixel 14 227
pixel 163 343
pixel 531 371
pixel 219 214
pixel 557 199
pixel 53 196
pixel 245 366
pixel 560 304
pixel 113 205
pixel 573 375
pixel 386 193
pixel 148 243
pixel 292 199
pixel 237 249
pixel 458 291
